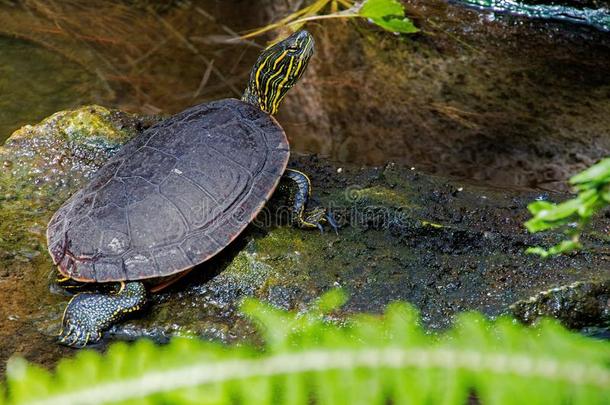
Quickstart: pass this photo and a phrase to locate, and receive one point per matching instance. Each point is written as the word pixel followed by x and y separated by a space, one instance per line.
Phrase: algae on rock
pixel 444 246
pixel 44 164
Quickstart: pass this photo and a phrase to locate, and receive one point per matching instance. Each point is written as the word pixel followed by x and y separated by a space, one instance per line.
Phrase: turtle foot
pixel 316 218
pixel 88 315
pixel 77 334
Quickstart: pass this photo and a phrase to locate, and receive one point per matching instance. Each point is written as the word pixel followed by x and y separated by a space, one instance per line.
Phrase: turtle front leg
pixel 307 218
pixel 89 314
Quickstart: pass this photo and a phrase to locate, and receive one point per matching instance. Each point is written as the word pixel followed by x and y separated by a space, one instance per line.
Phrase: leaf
pixel 370 359
pixel 537 206
pixel 565 246
pixel 605 193
pixel 389 15
pixel 599 172
pixel 537 250
pixel 537 224
pixel 593 187
pixel 330 301
pixel 381 8
pixel 588 206
pixel 560 211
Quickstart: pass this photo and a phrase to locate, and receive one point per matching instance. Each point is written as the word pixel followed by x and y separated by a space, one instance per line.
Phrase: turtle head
pixel 277 69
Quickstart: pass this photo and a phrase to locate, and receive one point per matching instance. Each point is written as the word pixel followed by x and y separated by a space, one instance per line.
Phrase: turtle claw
pixel 320 227
pixel 330 219
pixel 316 218
pixel 77 334
pixel 65 333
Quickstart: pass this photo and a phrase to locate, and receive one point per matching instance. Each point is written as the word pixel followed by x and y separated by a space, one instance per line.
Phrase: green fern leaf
pixel 368 359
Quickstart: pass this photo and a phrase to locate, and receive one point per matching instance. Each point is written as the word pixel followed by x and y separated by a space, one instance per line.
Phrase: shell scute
pixel 155 221
pixel 172 257
pixel 140 263
pixel 151 164
pixel 173 197
pixel 196 206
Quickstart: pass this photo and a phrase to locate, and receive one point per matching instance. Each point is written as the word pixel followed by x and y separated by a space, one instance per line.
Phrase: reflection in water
pixel 35 82
pixel 155 57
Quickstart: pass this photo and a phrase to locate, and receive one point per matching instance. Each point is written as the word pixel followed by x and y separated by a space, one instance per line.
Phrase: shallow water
pixel 587 14
pixel 36 82
pixel 481 95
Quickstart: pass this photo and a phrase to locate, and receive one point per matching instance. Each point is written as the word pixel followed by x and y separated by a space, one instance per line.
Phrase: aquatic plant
pixel 387 14
pixel 309 358
pixel 572 216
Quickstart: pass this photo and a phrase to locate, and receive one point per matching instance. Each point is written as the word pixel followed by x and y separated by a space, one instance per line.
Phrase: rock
pixel 445 246
pixel 45 163
pixel 41 166
pixel 503 99
pixel 577 305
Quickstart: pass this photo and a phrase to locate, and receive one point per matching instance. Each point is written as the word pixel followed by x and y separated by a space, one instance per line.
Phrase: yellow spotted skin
pixel 89 314
pixel 277 69
pixel 299 196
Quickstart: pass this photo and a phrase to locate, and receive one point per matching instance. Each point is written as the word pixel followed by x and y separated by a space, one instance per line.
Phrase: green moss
pixel 44 164
pixel 283 242
pixel 94 126
pixel 432 224
pixel 383 196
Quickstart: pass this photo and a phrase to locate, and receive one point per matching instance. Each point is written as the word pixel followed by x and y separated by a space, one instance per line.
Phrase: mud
pixel 445 246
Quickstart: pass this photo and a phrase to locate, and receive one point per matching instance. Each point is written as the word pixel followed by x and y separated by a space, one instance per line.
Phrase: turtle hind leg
pixel 89 314
pixel 307 218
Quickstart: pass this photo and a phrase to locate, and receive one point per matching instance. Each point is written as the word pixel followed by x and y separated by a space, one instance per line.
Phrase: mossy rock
pixel 43 164
pixel 445 246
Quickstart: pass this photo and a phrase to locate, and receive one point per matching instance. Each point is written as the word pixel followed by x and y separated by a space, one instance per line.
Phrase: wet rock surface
pixel 40 167
pixel 443 245
pixel 577 305
pixel 482 95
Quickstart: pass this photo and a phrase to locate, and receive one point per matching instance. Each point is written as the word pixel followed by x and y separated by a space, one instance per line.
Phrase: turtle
pixel 176 195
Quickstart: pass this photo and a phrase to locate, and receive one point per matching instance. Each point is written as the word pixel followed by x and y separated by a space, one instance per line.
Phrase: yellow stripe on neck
pixel 278 94
pixel 273 76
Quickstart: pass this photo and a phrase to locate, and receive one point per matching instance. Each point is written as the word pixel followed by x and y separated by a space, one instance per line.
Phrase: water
pixel 598 18
pixel 506 101
pixel 36 82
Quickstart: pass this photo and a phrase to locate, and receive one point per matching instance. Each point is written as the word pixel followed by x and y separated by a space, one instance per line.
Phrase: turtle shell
pixel 172 197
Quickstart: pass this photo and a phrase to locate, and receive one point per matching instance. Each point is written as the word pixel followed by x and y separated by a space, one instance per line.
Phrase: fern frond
pixel 367 360
pixel 593 187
